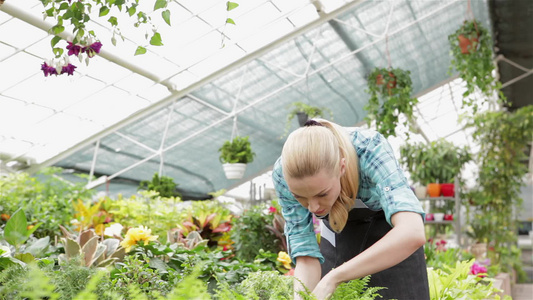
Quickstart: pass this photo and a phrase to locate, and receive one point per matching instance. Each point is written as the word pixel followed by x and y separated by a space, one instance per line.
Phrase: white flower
pixel 114 230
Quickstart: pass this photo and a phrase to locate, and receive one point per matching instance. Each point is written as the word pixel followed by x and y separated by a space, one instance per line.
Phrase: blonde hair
pixel 310 149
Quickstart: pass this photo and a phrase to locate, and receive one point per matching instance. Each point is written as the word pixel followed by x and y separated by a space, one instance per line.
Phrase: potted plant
pixel 304 112
pixel 437 162
pixel 164 185
pixel 390 95
pixel 234 155
pixel 471 49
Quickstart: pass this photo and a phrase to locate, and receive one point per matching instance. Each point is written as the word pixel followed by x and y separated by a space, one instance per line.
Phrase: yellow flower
pixel 135 235
pixel 285 259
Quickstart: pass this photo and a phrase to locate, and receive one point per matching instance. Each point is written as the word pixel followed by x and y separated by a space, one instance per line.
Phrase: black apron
pixel 407 280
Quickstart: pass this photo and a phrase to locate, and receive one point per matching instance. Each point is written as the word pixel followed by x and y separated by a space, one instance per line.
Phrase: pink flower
pixel 478 270
pixel 272 209
pixel 73 49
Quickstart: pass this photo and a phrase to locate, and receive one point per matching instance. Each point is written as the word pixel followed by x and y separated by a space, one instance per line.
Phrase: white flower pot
pixel 439 217
pixel 421 192
pixel 234 171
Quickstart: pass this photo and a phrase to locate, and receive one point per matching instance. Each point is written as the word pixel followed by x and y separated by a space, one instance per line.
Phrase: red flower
pixel 272 209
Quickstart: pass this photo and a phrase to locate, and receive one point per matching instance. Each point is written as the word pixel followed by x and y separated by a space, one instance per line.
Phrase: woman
pixel 372 223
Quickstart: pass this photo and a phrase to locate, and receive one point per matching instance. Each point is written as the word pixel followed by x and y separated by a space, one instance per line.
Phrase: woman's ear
pixel 343 166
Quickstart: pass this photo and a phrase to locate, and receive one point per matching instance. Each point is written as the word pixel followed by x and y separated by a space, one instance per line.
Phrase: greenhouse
pixel 141 149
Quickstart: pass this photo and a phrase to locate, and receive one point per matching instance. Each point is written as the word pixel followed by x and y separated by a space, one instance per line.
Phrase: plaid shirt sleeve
pixel 299 230
pixel 389 187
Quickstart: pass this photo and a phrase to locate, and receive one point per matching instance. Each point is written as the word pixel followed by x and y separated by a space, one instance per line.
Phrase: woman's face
pixel 317 193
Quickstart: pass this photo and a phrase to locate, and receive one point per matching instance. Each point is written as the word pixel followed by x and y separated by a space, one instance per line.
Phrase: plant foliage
pixel 439 161
pixel 504 137
pixel 476 66
pixel 238 150
pixel 164 185
pixel 390 96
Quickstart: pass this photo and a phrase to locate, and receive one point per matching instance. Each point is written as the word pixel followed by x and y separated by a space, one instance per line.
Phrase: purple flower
pixel 92 49
pixel 48 70
pixel 69 69
pixel 73 49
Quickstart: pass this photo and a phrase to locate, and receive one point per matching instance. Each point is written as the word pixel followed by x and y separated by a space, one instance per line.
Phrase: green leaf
pixel 160 4
pixel 104 10
pixel 156 40
pixel 58 29
pixel 230 21
pixel 132 10
pixel 113 21
pixel 231 5
pixel 166 16
pixel 15 230
pixel 57 52
pixel 140 50
pixel 55 40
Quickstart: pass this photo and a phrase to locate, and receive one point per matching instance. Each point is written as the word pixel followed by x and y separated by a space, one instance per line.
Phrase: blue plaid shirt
pixel 382 186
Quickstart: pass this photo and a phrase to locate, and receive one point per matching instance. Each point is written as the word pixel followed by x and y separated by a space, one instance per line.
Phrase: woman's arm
pixel 307 272
pixel 400 242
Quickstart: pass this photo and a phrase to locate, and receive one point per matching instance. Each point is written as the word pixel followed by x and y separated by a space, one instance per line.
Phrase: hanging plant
pixel 85 40
pixel 390 95
pixel 471 49
pixel 304 112
pixel 234 155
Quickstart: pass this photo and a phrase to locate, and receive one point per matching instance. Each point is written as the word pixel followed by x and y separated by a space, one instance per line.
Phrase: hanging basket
pixel 234 171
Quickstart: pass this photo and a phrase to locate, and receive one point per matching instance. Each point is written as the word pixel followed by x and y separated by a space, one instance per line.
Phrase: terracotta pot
pixel 467 45
pixel 447 189
pixel 434 190
pixel 391 84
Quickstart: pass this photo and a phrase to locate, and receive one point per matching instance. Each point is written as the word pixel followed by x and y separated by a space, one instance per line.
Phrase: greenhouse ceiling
pixel 122 117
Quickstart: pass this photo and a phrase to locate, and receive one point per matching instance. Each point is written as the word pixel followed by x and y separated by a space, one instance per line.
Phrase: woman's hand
pixel 325 287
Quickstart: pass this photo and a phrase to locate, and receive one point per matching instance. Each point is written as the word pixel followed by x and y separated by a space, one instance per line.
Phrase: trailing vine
pixel 390 96
pixel 471 50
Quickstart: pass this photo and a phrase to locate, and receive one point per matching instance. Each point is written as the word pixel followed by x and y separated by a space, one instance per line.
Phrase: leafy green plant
pixel 474 63
pixel 503 137
pixel 164 185
pixel 87 246
pixel 249 235
pixel 390 96
pixel 457 283
pixel 158 213
pixel 45 199
pixel 439 161
pixel 238 150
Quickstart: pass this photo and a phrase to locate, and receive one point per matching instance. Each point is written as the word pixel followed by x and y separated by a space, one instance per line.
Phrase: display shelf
pixel 456 222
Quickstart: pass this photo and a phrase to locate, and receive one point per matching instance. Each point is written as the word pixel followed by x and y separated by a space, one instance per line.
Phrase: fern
pixel 356 289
